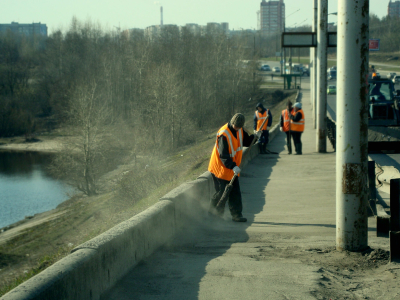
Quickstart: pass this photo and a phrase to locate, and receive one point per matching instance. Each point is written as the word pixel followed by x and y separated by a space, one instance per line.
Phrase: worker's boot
pixel 239 218
pixel 261 147
pixel 289 147
pixel 298 149
pixel 265 148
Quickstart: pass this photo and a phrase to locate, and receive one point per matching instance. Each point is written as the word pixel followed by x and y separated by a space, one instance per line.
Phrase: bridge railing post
pixel 394 220
pixel 371 188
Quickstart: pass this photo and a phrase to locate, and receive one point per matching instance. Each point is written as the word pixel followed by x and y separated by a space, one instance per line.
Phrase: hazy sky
pixel 142 13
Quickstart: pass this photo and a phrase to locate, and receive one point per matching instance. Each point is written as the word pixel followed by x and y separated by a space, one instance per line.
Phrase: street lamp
pixel 290 49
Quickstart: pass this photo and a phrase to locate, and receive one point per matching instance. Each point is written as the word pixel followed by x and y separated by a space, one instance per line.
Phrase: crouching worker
pixel 259 116
pixel 224 163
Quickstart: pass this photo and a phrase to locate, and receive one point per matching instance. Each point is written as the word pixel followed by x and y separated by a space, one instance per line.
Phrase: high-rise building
pixel 26 29
pixel 152 32
pixel 213 28
pixel 225 27
pixel 394 9
pixel 193 28
pixel 272 17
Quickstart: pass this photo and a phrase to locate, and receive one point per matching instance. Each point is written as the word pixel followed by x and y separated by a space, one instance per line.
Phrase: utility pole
pixel 322 53
pixel 162 16
pixel 352 126
pixel 313 74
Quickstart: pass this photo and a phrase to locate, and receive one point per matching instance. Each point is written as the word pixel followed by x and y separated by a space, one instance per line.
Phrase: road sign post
pixel 313 73
pixel 374 44
pixel 322 64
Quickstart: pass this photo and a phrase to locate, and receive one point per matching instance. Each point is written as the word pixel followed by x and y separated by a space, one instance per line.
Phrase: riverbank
pixel 40 143
pixel 33 244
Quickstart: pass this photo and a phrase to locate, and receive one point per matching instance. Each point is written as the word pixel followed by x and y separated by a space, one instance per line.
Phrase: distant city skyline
pixel 143 13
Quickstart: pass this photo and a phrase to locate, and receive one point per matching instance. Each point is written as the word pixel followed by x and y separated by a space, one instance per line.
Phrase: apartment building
pixel 29 30
pixel 394 9
pixel 272 17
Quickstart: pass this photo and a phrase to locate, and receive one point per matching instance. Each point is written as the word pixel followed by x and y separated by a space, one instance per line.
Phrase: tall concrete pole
pixel 352 126
pixel 313 76
pixel 322 62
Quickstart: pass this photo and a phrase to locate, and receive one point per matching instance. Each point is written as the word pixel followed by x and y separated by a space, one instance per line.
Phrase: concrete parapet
pixel 98 264
pixel 207 175
pixel 190 200
pixel 274 131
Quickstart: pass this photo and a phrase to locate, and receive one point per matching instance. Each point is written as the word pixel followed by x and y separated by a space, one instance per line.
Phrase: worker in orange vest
pixel 224 163
pixel 259 116
pixel 297 121
pixel 285 124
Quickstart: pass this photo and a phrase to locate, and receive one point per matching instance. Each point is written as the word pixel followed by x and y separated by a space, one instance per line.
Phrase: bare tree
pixel 85 158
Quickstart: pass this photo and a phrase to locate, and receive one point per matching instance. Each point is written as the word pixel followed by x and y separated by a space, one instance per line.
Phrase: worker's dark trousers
pixel 297 141
pixel 288 142
pixel 263 141
pixel 235 197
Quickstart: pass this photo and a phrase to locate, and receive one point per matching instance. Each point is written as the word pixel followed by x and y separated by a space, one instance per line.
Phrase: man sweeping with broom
pixel 224 166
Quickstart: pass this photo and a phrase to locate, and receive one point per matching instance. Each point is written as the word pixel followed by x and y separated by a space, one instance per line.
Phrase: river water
pixel 26 187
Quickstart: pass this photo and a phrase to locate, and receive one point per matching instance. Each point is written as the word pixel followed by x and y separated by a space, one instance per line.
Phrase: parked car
pixel 396 79
pixel 390 75
pixel 276 69
pixel 265 68
pixel 331 74
pixel 331 90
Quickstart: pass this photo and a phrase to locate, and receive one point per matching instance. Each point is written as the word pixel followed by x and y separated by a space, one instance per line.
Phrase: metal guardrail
pixel 331 130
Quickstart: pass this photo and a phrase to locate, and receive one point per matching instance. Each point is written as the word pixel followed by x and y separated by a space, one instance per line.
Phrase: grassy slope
pixel 38 247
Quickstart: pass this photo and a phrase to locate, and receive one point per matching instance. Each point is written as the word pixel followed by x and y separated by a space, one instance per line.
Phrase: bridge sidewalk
pixel 289 201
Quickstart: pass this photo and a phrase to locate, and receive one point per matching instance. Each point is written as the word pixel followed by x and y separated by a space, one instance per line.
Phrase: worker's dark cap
pixel 238 120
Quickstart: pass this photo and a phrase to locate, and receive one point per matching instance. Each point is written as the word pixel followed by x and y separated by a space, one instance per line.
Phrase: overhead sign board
pixel 305 39
pixel 374 44
pixel 299 39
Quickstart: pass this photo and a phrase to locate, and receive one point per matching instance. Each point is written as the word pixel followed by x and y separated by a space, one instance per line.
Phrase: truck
pixel 383 116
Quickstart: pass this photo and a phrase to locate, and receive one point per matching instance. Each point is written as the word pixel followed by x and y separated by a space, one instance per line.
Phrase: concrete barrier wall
pixel 190 200
pixel 95 266
pixel 98 264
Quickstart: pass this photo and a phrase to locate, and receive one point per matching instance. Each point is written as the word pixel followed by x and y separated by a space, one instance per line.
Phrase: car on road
pixel 276 69
pixel 265 68
pixel 331 90
pixel 396 79
pixel 331 74
pixel 391 75
pixel 306 71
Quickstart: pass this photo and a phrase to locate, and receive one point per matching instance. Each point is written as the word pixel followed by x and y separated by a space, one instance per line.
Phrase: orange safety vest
pixel 260 120
pixel 298 126
pixel 286 119
pixel 235 150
